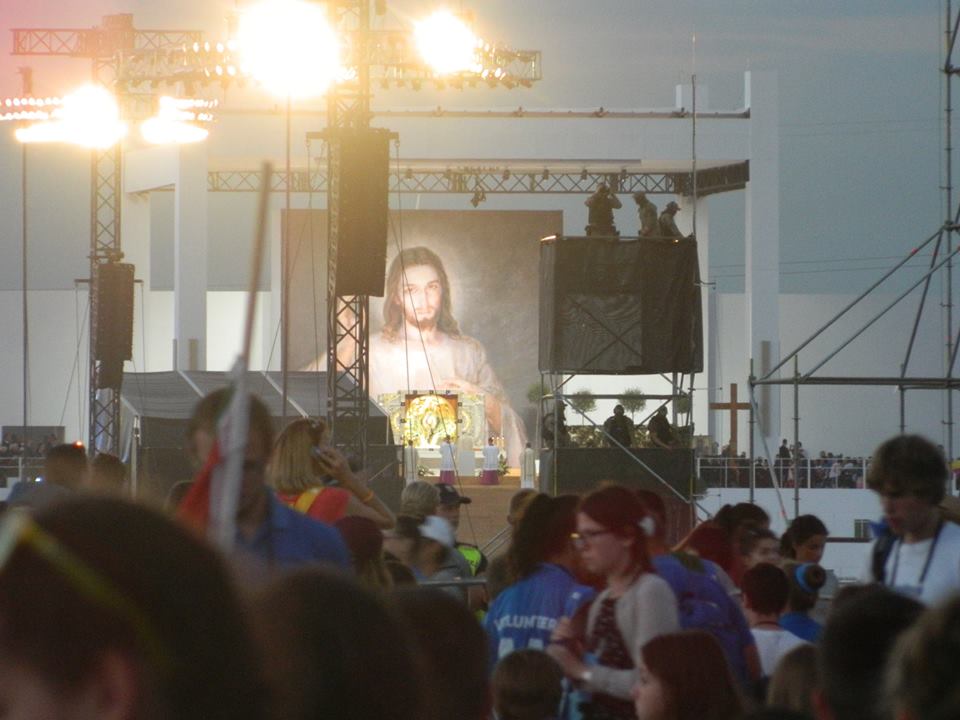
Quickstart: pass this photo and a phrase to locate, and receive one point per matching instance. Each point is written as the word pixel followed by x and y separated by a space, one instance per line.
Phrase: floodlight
pixel 162 131
pixel 174 123
pixel 446 44
pixel 288 47
pixel 88 116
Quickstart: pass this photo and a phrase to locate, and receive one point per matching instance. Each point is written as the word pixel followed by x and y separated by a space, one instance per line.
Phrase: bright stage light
pixel 88 116
pixel 446 44
pixel 174 123
pixel 163 131
pixel 289 47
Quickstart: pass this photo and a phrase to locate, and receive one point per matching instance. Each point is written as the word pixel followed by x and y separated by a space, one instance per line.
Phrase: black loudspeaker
pixel 620 306
pixel 113 321
pixel 362 216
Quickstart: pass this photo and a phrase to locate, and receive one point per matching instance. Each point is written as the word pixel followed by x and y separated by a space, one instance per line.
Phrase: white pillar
pixel 762 285
pixel 190 259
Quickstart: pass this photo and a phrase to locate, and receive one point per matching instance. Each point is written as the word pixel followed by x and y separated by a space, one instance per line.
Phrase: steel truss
pixel 505 177
pixel 348 334
pixel 105 46
pixel 115 36
pixel 389 56
pixel 942 258
pixel 134 63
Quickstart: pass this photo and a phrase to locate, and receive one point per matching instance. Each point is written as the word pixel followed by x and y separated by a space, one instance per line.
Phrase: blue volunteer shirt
pixel 524 615
pixel 290 538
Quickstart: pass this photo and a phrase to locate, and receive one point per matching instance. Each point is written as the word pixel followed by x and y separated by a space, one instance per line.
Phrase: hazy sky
pixel 860 102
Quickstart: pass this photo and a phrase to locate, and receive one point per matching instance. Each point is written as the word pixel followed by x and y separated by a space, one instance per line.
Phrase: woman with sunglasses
pixel 312 476
pixel 635 606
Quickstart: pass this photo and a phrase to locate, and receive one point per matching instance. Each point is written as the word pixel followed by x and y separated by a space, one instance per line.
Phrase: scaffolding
pixel 941 262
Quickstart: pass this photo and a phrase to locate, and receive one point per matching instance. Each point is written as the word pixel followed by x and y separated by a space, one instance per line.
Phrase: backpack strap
pixel 881 551
pixel 306 499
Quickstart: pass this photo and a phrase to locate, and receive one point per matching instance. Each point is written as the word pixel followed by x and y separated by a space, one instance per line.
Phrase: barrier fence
pixel 12 468
pixel 725 472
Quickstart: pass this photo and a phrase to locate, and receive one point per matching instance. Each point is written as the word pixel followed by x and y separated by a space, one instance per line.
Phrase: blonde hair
pixel 794 681
pixel 419 499
pixel 293 468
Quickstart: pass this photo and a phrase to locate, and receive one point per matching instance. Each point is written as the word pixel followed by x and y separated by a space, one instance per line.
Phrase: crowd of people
pixel 14 446
pixel 791 465
pixel 331 605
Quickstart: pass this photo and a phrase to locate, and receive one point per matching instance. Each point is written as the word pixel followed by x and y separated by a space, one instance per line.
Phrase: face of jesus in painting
pixel 422 296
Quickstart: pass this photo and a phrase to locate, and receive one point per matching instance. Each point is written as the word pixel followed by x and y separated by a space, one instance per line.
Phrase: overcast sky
pixel 860 100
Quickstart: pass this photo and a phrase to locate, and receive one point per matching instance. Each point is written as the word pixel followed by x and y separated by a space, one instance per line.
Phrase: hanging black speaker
pixel 362 210
pixel 113 312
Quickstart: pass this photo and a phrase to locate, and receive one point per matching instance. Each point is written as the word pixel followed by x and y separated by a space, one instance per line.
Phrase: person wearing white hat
pixel 436 559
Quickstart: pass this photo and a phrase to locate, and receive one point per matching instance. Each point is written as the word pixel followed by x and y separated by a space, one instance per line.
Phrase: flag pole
pixel 256 260
pixel 233 425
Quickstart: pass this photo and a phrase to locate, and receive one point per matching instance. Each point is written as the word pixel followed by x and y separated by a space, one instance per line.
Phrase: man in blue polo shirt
pixel 266 528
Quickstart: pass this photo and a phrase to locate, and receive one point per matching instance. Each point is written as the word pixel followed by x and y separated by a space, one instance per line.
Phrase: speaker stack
pixel 112 321
pixel 362 210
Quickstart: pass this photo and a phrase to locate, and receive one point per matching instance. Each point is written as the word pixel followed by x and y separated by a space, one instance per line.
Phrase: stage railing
pixel 14 466
pixel 725 472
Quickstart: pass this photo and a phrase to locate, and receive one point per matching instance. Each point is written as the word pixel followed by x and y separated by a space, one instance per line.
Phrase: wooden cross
pixel 733 406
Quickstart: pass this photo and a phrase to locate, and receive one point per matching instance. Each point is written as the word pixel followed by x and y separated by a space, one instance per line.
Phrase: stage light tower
pixel 445 48
pixel 289 47
pixel 124 58
pixel 447 44
pixel 89 117
pixel 108 47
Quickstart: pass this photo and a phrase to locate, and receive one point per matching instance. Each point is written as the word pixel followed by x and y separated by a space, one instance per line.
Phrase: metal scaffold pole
pixel 753 422
pixel 948 198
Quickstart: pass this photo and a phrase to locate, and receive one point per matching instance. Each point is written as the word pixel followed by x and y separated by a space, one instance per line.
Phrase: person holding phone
pixel 314 477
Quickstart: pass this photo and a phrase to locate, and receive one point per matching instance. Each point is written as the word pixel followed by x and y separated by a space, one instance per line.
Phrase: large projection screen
pixel 491 261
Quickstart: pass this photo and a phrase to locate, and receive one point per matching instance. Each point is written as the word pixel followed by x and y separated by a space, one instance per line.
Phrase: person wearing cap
pixel 647 214
pixel 600 212
pixel 474 561
pixel 449 504
pixel 668 222
pixel 436 558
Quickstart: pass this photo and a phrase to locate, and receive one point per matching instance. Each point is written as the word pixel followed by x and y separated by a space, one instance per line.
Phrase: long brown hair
pixel 393 295
pixel 694 671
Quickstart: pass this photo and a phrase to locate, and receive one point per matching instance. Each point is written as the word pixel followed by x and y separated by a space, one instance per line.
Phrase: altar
pixel 429 418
